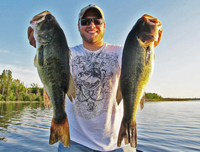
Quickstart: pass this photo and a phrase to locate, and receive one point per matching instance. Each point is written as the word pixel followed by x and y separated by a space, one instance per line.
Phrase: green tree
pixel 19 89
pixel 9 81
pixel 38 91
pixel 1 97
pixel 6 81
pixel 34 88
pixel 11 97
pixel 3 81
pixel 152 96
pixel 13 89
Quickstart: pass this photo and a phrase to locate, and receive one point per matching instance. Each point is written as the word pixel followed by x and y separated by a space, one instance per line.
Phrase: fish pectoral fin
pixel 41 55
pixel 119 94
pixel 71 92
pixel 60 132
pixel 148 55
pixel 142 101
pixel 35 61
pixel 47 102
pixel 128 132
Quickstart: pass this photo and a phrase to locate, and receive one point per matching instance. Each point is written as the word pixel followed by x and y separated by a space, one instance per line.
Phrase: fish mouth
pixel 40 17
pixel 151 20
pixel 41 36
pixel 155 22
pixel 152 29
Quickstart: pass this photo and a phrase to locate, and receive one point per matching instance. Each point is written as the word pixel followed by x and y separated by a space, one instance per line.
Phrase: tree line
pixel 152 96
pixel 14 90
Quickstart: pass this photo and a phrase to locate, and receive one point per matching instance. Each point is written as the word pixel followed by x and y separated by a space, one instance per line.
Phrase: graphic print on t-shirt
pixel 93 79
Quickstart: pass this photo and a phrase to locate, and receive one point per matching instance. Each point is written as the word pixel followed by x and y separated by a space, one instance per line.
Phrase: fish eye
pixel 143 22
pixel 48 18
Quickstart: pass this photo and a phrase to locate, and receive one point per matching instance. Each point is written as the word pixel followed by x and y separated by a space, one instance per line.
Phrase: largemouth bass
pixel 137 67
pixel 52 62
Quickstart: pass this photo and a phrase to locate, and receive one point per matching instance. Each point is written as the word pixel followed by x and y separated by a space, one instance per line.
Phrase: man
pixel 94 115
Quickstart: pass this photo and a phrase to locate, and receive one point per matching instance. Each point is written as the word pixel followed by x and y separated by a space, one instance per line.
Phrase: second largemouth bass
pixel 137 67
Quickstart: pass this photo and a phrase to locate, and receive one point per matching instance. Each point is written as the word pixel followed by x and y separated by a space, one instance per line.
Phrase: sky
pixel 177 64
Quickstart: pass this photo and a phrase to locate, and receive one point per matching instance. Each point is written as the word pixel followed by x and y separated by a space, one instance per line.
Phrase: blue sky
pixel 177 64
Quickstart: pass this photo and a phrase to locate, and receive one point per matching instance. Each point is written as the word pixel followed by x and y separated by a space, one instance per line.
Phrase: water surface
pixel 25 127
pixel 169 126
pixel 162 126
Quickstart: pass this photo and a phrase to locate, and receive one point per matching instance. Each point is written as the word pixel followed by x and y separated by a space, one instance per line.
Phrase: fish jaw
pixel 150 30
pixel 158 28
pixel 43 26
pixel 152 20
pixel 38 18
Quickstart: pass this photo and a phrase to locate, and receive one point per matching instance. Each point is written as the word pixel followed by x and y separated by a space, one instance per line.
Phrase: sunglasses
pixel 87 21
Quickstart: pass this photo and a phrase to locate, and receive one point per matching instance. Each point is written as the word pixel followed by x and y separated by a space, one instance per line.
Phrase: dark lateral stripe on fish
pixel 41 56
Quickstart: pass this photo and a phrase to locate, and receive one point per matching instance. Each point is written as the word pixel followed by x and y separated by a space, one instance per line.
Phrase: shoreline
pixel 146 100
pixel 21 101
pixel 172 99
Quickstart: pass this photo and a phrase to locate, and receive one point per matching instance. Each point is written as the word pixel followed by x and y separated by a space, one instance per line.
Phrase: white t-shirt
pixel 94 115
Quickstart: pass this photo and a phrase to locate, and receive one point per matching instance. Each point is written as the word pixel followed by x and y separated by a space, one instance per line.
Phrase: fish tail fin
pixel 60 132
pixel 128 132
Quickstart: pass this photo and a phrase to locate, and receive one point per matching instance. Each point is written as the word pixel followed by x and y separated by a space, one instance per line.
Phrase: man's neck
pixel 93 46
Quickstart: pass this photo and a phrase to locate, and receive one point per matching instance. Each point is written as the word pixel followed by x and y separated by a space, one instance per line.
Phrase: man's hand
pixel 31 37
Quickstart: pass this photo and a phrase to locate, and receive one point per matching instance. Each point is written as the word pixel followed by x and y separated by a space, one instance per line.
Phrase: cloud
pixel 3 51
pixel 25 75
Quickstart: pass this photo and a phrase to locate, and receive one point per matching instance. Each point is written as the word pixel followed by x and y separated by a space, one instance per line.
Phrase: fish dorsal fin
pixel 71 92
pixel 148 55
pixel 119 94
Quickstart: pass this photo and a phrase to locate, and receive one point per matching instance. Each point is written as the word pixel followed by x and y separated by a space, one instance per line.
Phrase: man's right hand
pixel 31 37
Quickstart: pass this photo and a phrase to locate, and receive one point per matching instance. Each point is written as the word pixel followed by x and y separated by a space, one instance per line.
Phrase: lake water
pixel 162 126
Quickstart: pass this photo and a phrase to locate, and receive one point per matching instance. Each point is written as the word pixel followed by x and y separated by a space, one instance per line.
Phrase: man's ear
pixel 79 27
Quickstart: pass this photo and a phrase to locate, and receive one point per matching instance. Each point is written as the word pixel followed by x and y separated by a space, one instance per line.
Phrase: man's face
pixel 92 33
